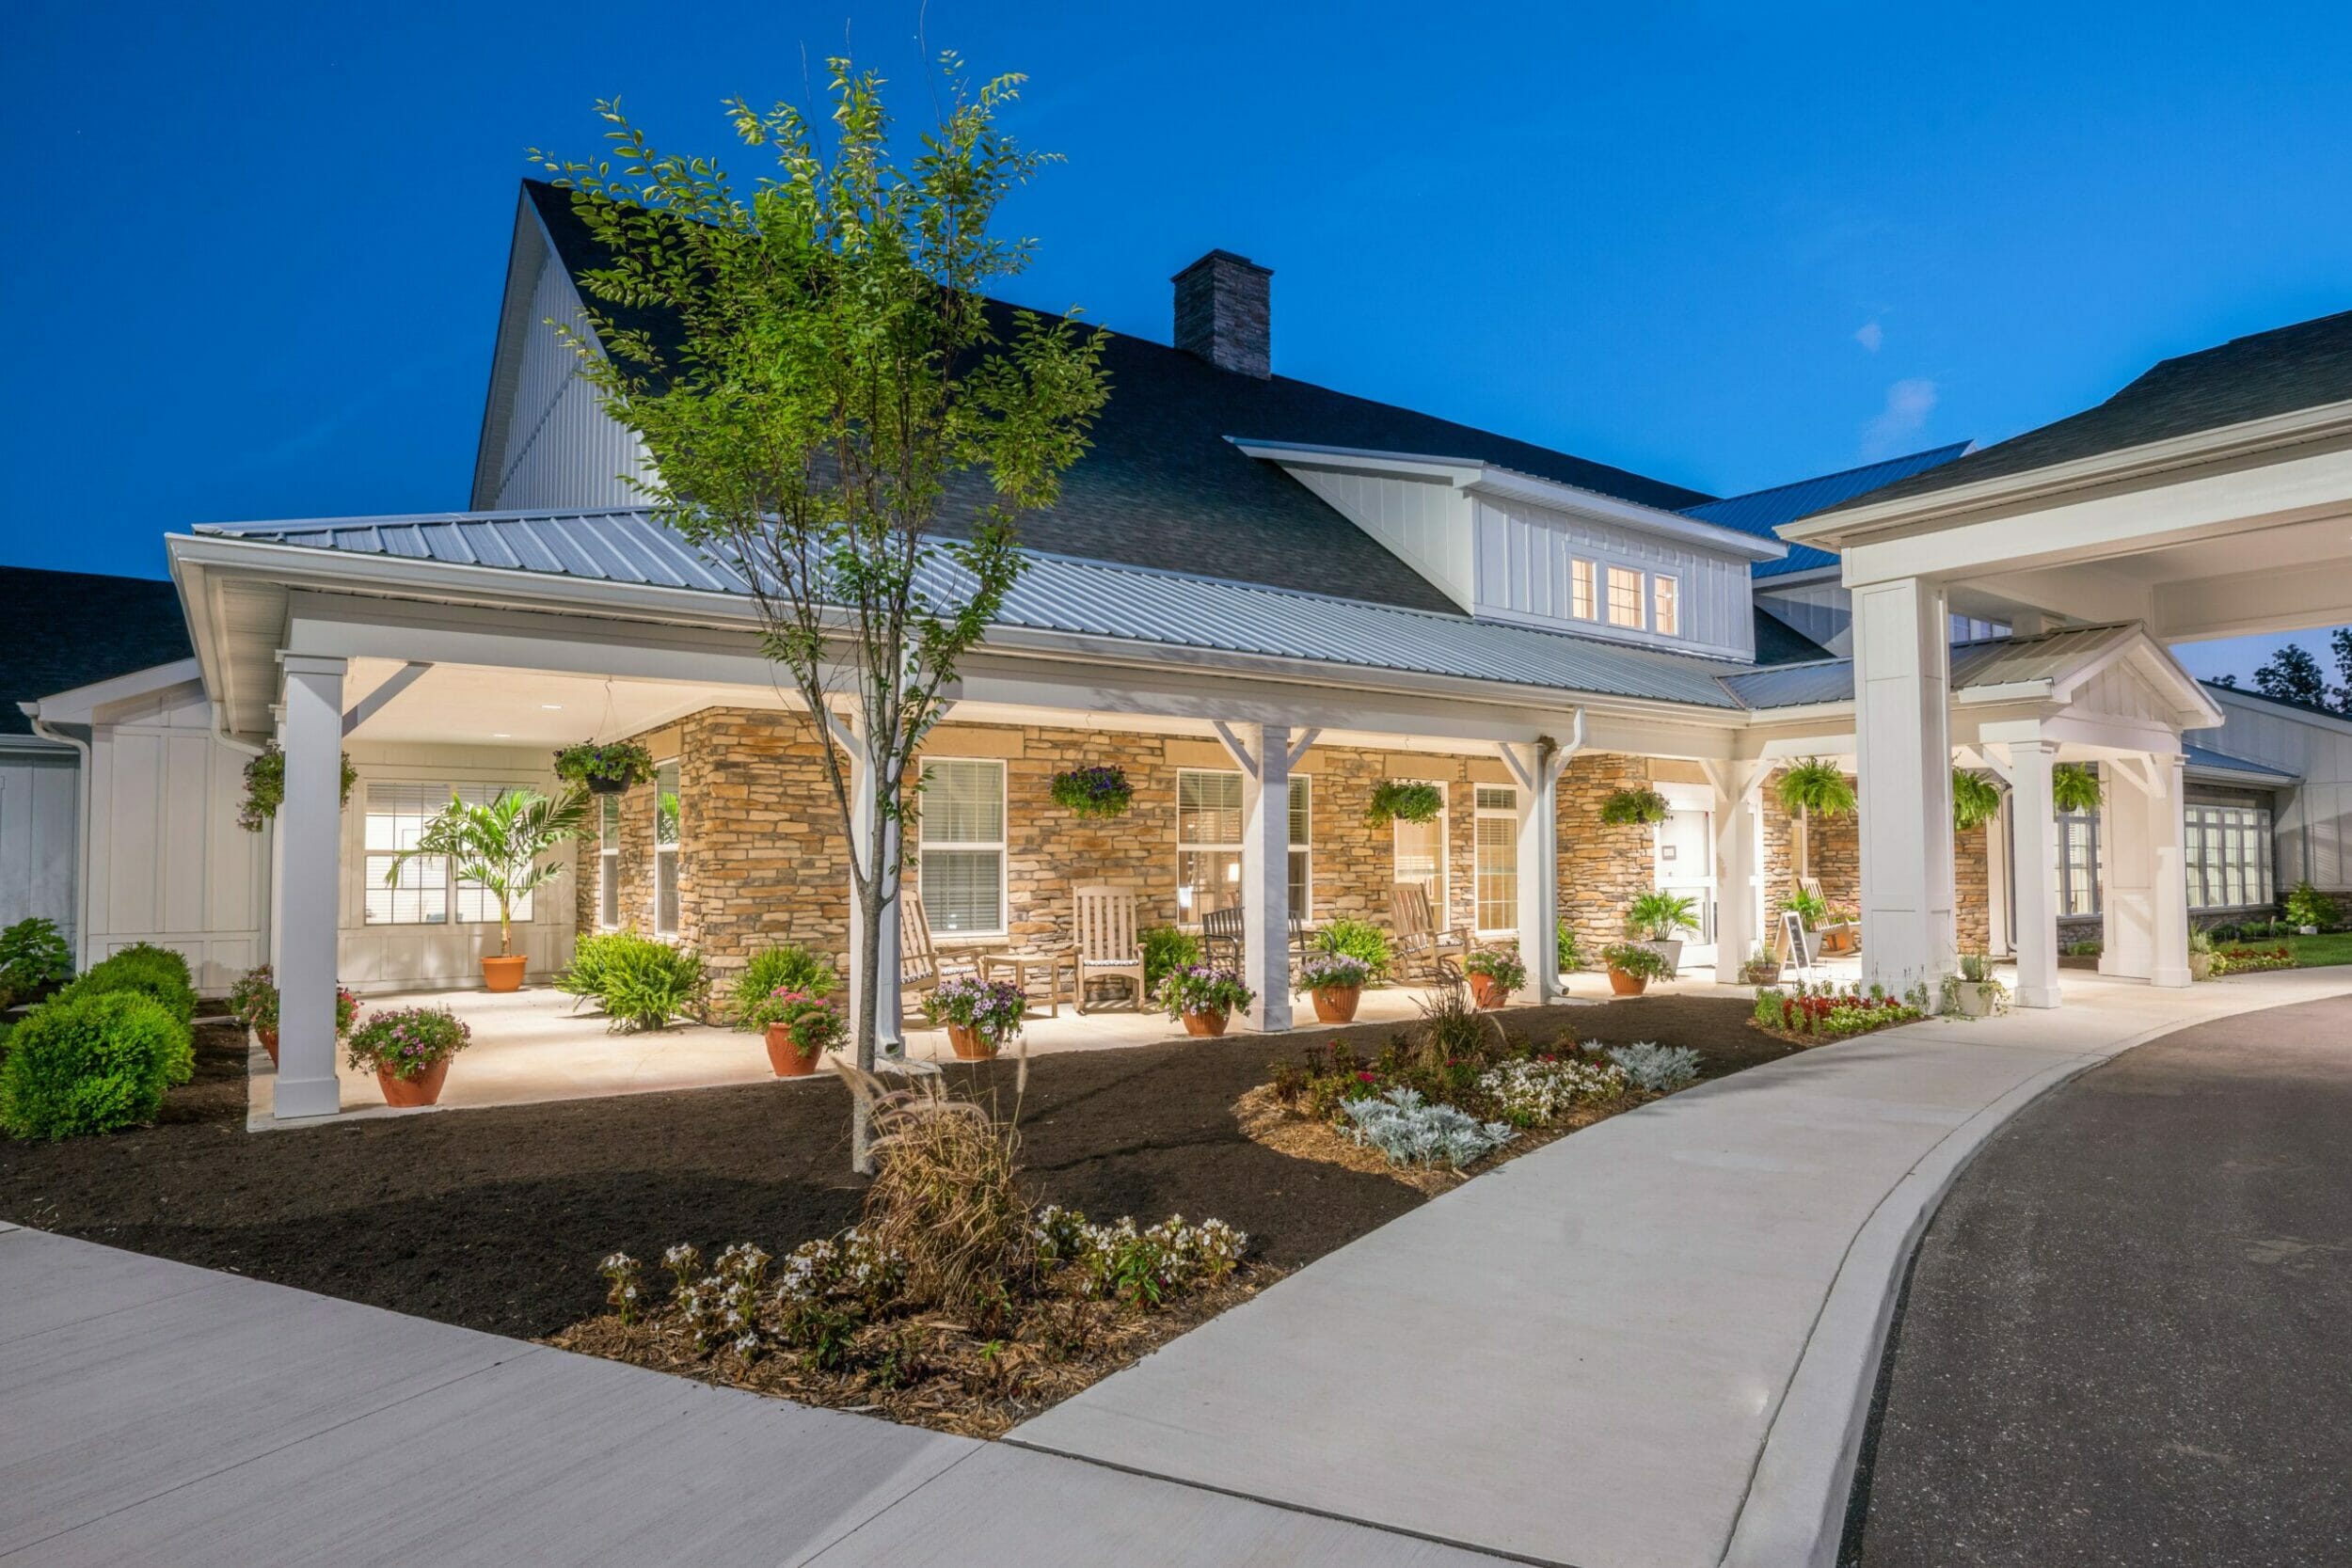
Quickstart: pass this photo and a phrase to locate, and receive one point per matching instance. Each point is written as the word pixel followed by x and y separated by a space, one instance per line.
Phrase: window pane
pixel 1497 798
pixel 665 892
pixel 1209 879
pixel 1420 857
pixel 1625 596
pixel 1669 611
pixel 1208 807
pixel 1302 815
pixel 1302 884
pixel 1581 590
pixel 962 889
pixel 963 802
pixel 1498 873
pixel 609 889
pixel 608 822
pixel 475 906
pixel 419 897
pixel 666 810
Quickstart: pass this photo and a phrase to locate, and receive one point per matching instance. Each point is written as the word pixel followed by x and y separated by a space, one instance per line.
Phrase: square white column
pixel 2167 835
pixel 1266 873
pixel 2127 892
pixel 2034 826
pixel 1736 834
pixel 310 842
pixel 1538 917
pixel 1902 659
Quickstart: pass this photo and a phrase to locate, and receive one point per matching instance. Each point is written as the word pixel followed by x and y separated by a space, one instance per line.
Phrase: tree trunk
pixel 868 983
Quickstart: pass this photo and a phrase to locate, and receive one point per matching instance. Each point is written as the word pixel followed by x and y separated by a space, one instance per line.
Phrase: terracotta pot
pixel 784 1053
pixel 1335 1004
pixel 424 1089
pixel 269 1043
pixel 1628 985
pixel 504 975
pixel 970 1046
pixel 1487 992
pixel 1208 1025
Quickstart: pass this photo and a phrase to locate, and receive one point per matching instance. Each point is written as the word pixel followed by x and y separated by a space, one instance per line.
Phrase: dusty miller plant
pixel 837 412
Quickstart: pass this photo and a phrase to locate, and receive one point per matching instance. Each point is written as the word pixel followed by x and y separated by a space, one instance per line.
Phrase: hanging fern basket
pixel 1633 808
pixel 1400 801
pixel 1096 793
pixel 1975 799
pixel 2074 787
pixel 265 786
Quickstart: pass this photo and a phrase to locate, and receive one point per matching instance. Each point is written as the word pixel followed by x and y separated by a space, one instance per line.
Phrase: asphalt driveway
pixel 2128 1332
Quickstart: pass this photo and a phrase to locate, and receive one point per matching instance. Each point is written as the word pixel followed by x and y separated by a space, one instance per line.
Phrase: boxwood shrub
pixel 95 1062
pixel 156 973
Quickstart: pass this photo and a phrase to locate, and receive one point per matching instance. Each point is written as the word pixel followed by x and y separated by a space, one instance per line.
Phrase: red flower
pixel 1365 1075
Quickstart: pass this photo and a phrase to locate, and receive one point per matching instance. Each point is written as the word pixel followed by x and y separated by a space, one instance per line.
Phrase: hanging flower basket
pixel 1631 808
pixel 265 786
pixel 1400 801
pixel 1100 792
pixel 613 768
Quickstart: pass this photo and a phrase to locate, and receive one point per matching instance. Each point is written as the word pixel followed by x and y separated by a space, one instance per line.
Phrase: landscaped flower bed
pixel 2249 961
pixel 1808 1014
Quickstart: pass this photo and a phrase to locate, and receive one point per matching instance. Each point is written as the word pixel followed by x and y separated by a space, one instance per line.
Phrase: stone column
pixel 1902 659
pixel 2034 826
pixel 1736 891
pixel 1538 797
pixel 309 839
pixel 1266 873
pixel 2169 837
pixel 2127 893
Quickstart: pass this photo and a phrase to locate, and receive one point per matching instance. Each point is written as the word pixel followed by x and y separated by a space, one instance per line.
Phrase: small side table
pixel 1057 967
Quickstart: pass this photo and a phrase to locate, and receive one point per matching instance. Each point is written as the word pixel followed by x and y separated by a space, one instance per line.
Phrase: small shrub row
pixel 157 973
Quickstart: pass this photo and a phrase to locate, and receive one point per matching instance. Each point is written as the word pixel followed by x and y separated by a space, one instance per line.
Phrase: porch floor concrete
pixel 536 1045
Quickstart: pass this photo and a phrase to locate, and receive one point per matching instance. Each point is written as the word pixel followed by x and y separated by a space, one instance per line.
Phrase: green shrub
pixel 2306 905
pixel 786 968
pixel 91 1062
pixel 1570 956
pixel 33 954
pixel 1165 947
pixel 1358 939
pixel 640 983
pixel 156 973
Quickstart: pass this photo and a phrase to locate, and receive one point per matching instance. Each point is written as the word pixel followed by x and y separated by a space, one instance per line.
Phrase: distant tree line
pixel 2294 676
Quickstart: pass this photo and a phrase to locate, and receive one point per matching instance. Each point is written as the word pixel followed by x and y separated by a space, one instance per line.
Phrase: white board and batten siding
pixel 1426 521
pixel 40 794
pixel 1523 556
pixel 2313 824
pixel 562 451
pixel 168 864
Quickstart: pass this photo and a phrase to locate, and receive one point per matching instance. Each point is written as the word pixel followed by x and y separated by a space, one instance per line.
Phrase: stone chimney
pixel 1223 313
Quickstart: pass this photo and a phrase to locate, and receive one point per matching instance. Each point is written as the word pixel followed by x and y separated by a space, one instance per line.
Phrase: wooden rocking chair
pixel 1107 948
pixel 920 967
pixel 1422 948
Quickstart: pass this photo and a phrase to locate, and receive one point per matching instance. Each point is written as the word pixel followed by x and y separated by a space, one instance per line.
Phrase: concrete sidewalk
pixel 152 1412
pixel 1649 1344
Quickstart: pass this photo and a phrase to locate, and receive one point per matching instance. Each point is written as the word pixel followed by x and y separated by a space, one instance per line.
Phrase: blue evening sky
pixel 254 253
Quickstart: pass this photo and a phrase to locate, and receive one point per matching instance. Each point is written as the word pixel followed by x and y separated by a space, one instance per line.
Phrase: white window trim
pixel 1001 845
pixel 1641 602
pixel 1478 871
pixel 453 887
pixel 1666 604
pixel 1583 590
pixel 1306 908
pixel 661 849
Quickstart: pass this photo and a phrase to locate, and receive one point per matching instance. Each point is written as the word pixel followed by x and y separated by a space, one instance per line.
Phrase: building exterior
pixel 1260 598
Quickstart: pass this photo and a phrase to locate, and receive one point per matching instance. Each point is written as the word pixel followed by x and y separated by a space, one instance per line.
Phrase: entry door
pixel 1686 864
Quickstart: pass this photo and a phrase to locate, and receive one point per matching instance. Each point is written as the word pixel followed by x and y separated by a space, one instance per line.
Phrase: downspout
pixel 81 830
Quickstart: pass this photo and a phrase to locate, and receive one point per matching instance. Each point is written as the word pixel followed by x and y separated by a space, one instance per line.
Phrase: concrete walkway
pixel 152 1412
pixel 1649 1344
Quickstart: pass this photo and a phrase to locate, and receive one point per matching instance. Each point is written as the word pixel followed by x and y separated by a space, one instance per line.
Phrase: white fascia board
pixel 80 705
pixel 2254 777
pixel 1510 485
pixel 1843 530
pixel 2192 708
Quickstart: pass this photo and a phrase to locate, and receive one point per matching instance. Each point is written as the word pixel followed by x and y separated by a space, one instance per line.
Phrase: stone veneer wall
pixel 1972 887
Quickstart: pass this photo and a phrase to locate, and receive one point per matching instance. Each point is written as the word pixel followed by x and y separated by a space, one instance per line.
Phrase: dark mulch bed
pixel 496 1218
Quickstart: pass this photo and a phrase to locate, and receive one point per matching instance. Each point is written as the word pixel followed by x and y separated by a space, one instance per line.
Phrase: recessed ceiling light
pixel 552 708
pixel 500 735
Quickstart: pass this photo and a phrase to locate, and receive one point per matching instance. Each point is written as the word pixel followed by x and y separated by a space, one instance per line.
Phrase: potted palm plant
pixel 1811 788
pixel 1336 981
pixel 1656 916
pixel 500 847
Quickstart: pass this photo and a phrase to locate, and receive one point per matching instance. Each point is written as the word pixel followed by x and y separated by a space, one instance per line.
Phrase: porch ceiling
pixel 472 704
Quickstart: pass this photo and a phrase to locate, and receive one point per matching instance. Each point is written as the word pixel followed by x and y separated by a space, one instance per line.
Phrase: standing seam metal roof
pixel 1762 512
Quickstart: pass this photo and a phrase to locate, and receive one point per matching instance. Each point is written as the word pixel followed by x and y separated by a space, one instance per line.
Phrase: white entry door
pixel 1686 864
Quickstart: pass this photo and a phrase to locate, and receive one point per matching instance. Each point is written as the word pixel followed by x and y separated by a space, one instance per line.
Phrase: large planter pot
pixel 1759 973
pixel 424 1089
pixel 1670 950
pixel 2201 966
pixel 1337 1004
pixel 1623 984
pixel 1208 1025
pixel 785 1057
pixel 1975 1001
pixel 269 1043
pixel 1487 992
pixel 970 1044
pixel 504 975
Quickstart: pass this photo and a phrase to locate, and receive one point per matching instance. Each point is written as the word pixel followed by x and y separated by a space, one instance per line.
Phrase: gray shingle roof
pixel 1062 594
pixel 75 629
pixel 1762 512
pixel 2254 377
pixel 1163 487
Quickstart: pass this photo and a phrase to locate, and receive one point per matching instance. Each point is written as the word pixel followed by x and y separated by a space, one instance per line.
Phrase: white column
pixel 2169 838
pixel 886 1003
pixel 310 839
pixel 1266 874
pixel 1902 659
pixel 1736 787
pixel 2034 826
pixel 2127 892
pixel 1538 797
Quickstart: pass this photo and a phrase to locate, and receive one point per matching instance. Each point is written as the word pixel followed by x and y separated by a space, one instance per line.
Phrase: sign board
pixel 1793 947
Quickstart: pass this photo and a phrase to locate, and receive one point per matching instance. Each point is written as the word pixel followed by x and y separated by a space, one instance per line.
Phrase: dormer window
pixel 1625 597
pixel 1581 590
pixel 1665 606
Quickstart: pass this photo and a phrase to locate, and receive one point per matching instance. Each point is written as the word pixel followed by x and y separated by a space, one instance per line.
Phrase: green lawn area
pixel 2334 947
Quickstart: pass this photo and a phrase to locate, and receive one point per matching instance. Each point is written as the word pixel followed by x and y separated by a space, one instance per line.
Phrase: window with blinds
pixel 1208 842
pixel 609 861
pixel 425 890
pixel 2077 863
pixel 2231 855
pixel 961 869
pixel 1497 870
pixel 667 812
